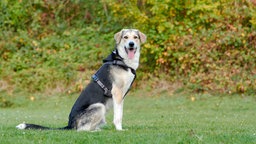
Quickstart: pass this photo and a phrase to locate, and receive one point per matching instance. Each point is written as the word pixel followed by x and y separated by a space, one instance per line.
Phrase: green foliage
pixel 199 41
pixel 4 103
pixel 207 45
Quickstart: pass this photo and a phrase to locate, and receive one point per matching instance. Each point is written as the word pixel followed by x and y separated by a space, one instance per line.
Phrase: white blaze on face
pixel 131 41
pixel 128 45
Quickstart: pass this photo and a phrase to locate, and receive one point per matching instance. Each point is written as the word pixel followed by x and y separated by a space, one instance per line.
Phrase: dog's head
pixel 128 42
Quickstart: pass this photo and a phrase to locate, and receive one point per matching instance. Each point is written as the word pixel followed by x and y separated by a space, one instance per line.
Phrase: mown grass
pixel 153 119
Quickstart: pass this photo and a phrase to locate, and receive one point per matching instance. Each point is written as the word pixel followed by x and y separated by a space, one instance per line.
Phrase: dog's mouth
pixel 130 52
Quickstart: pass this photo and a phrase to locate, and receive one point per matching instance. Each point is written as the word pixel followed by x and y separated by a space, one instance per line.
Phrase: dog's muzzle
pixel 130 50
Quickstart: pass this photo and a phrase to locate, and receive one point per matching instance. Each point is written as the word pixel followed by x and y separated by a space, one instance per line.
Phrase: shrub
pixel 207 45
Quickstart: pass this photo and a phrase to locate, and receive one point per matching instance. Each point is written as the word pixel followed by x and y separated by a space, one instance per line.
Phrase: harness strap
pixel 122 64
pixel 107 92
pixel 114 59
pixel 134 72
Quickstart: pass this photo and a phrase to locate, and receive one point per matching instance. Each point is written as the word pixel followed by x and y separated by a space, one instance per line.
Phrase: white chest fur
pixel 122 79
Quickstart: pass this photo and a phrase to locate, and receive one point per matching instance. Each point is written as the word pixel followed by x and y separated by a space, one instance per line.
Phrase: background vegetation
pixel 199 46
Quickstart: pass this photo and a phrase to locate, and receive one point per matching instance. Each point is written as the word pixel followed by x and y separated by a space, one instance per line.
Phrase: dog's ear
pixel 143 37
pixel 118 37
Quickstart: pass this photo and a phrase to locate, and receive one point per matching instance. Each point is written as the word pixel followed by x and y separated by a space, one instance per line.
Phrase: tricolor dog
pixel 108 87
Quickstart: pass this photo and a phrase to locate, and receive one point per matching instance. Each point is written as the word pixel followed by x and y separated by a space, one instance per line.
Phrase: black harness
pixel 113 59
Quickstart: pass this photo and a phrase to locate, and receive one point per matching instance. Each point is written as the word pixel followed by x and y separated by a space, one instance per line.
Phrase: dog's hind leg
pixel 92 118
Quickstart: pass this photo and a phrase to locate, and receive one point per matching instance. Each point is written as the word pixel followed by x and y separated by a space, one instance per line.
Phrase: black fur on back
pixel 92 94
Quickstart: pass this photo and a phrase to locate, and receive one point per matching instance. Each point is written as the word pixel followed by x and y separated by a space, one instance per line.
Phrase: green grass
pixel 155 119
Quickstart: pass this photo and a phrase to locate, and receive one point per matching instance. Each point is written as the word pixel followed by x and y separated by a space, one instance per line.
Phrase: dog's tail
pixel 24 126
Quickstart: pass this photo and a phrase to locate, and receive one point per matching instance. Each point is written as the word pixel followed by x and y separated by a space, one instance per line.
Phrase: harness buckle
pixel 95 78
pixel 114 62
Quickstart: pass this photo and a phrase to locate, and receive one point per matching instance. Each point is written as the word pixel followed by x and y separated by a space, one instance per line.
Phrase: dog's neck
pixel 116 59
pixel 132 63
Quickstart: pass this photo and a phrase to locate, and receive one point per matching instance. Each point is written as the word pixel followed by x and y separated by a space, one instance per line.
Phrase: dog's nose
pixel 131 44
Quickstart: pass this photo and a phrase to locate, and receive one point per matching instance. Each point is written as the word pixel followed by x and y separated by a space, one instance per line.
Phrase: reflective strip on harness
pixel 107 92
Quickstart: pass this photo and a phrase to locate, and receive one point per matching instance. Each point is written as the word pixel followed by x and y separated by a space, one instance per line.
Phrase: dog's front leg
pixel 118 107
pixel 118 115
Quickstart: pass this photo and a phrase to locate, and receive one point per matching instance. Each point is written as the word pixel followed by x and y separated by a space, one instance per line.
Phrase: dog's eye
pixel 135 37
pixel 125 37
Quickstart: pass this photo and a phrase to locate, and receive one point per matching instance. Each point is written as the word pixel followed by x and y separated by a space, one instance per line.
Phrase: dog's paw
pixel 119 127
pixel 122 129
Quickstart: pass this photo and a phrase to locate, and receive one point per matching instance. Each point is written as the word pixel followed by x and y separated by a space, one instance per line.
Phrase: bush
pixel 206 45
pixel 198 42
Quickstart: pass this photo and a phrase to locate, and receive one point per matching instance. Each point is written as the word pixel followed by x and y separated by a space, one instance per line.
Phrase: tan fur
pixel 117 94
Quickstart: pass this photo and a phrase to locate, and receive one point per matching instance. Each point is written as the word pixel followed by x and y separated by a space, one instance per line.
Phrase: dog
pixel 108 87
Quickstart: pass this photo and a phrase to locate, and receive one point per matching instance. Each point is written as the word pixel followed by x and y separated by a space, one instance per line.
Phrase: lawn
pixel 188 118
